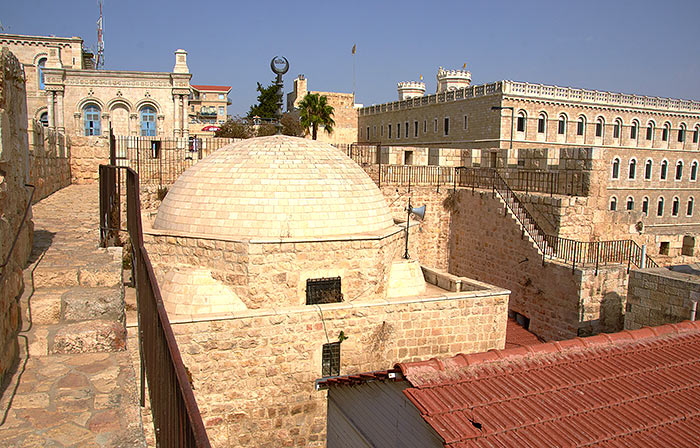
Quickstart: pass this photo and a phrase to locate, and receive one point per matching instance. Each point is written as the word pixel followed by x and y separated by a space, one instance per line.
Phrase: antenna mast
pixel 100 62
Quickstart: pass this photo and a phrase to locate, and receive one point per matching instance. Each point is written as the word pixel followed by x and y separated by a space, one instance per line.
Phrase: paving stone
pixel 92 336
pixel 81 303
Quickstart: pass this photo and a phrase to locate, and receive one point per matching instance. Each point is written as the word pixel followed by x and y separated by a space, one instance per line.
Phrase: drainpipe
pixel 643 263
pixel 693 311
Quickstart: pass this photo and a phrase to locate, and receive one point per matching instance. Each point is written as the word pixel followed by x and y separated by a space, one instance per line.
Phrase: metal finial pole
pixel 279 66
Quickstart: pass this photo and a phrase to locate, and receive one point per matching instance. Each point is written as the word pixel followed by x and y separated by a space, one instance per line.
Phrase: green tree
pixel 291 125
pixel 236 127
pixel 314 111
pixel 267 102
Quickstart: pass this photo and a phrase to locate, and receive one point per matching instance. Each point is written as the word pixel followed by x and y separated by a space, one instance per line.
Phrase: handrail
pixel 176 416
pixel 19 229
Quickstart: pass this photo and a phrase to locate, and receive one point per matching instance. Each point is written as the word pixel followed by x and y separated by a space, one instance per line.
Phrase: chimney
pixel 181 62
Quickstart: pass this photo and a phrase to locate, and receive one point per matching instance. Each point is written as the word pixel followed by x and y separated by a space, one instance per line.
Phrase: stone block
pixel 80 304
pixel 90 337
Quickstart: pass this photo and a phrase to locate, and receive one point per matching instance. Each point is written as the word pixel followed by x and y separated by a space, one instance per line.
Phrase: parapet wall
pixel 49 155
pixel 14 197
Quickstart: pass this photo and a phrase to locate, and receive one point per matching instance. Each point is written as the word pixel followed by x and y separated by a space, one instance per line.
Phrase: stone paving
pixel 75 384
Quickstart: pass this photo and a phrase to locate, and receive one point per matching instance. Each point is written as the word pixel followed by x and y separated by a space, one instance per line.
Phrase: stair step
pixel 81 304
pixel 89 337
pixel 42 306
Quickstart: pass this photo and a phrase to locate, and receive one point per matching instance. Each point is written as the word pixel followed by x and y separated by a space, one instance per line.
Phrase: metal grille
pixel 330 359
pixel 323 290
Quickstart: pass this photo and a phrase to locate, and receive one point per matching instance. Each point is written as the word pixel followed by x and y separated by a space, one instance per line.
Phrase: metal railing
pixel 569 183
pixel 432 175
pixel 160 161
pixel 176 418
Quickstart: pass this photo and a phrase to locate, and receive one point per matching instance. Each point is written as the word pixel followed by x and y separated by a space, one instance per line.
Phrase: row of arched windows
pixel 648 168
pixel 660 203
pixel 92 119
pixel 600 127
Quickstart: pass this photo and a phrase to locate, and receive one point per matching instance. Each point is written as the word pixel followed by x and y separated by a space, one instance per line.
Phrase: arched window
pixel 664 169
pixel 542 123
pixel 561 125
pixel 666 131
pixel 617 128
pixel 633 169
pixel 691 202
pixel 634 129
pixel 647 169
pixel 581 125
pixel 630 203
pixel 694 170
pixel 148 122
pixel 681 133
pixel 600 127
pixel 40 74
pixel 650 130
pixel 645 206
pixel 522 121
pixel 613 204
pixel 44 119
pixel 92 120
pixel 696 134
pixel 679 170
pixel 616 168
pixel 675 206
pixel 660 207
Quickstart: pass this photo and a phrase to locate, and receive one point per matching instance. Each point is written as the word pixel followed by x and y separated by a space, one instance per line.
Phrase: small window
pixel 222 96
pixel 466 123
pixel 40 72
pixel 666 130
pixel 633 130
pixel 630 203
pixel 664 170
pixel 406 124
pixel 688 246
pixel 521 122
pixel 408 158
pixel 681 133
pixel 381 130
pixel 616 128
pixel 616 168
pixel 664 248
pixel 599 124
pixel 323 290
pixel 398 130
pixel 679 170
pixel 696 134
pixel 675 206
pixel 689 209
pixel 645 206
pixel 660 207
pixel 435 127
pixel 650 131
pixel 561 126
pixel 148 122
pixel 415 129
pixel 447 126
pixel 433 156
pixel 368 136
pixel 389 131
pixel 425 126
pixel 580 126
pixel 222 110
pixel 330 359
pixel 694 171
pixel 92 118
pixel 647 169
pixel 613 204
pixel 633 169
pixel 44 119
pixel 541 124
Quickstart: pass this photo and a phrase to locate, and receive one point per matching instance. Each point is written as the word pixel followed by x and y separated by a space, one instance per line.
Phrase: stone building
pixel 345 112
pixel 66 93
pixel 207 108
pixel 279 262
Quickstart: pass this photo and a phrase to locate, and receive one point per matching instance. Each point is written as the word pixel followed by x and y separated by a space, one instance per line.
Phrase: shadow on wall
pixel 42 241
pixel 611 320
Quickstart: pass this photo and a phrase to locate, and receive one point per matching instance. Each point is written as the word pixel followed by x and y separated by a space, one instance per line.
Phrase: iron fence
pixel 569 183
pixel 176 418
pixel 432 175
pixel 160 161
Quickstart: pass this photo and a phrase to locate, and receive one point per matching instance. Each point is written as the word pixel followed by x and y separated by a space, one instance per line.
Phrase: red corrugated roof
pixel 633 388
pixel 517 336
pixel 212 88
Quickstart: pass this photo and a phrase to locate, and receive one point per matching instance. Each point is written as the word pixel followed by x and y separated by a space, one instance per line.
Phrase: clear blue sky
pixel 644 47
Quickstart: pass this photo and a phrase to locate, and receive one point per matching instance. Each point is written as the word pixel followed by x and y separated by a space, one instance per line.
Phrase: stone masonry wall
pixel 87 153
pixel 14 173
pixel 49 155
pixel 661 296
pixel 254 375
pixel 487 244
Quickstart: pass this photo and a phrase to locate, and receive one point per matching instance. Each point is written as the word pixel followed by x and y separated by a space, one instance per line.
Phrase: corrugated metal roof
pixel 633 388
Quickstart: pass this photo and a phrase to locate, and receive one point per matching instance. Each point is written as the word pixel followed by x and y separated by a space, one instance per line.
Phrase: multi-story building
pixel 208 108
pixel 66 93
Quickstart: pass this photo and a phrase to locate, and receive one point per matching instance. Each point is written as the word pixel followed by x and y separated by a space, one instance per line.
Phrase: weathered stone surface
pixel 81 303
pixel 92 336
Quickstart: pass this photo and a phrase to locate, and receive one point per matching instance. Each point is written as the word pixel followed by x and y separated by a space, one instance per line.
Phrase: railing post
pixel 643 261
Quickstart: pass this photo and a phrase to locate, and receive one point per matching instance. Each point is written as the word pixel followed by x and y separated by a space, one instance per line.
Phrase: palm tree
pixel 314 110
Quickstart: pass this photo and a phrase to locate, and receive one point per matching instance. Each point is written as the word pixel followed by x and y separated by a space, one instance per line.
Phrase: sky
pixel 642 47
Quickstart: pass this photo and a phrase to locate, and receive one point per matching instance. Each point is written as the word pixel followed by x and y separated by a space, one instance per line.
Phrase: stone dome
pixel 275 187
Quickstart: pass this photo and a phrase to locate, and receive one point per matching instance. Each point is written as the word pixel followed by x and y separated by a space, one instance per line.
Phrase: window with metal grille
pixel 330 359
pixel 323 290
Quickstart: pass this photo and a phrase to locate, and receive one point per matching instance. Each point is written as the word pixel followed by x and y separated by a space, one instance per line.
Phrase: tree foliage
pixel 238 127
pixel 314 111
pixel 235 127
pixel 267 102
pixel 291 125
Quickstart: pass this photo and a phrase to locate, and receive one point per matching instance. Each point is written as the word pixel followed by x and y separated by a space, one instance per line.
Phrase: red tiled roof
pixel 633 388
pixel 517 336
pixel 212 88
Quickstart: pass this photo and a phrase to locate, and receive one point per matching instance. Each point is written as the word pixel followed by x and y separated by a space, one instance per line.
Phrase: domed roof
pixel 275 187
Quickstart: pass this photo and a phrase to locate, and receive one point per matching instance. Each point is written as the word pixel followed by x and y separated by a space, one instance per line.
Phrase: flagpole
pixel 353 73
